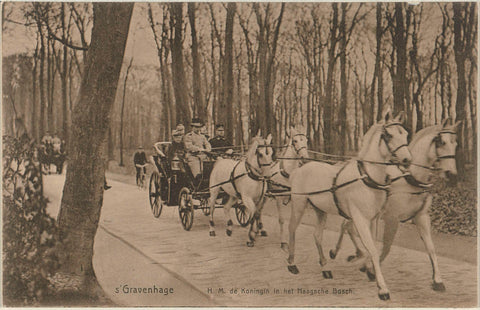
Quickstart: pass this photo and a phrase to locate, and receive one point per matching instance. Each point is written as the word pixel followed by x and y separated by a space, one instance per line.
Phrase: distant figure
pixel 47 139
pixel 219 143
pixel 56 144
pixel 139 160
pixel 195 145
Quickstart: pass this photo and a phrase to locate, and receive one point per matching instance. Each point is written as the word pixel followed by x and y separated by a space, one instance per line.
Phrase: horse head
pixel 444 145
pixel 299 142
pixel 394 138
pixel 260 154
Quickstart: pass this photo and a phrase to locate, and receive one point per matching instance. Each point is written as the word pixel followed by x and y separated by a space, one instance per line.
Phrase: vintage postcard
pixel 239 154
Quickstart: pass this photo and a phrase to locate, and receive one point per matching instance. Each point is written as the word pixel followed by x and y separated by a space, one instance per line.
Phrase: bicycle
pixel 141 178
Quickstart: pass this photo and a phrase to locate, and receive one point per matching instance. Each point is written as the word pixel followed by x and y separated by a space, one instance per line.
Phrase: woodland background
pixel 331 68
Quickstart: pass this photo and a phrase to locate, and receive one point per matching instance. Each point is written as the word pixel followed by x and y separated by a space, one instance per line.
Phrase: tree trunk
pixel 41 78
pixel 198 98
pixel 400 45
pixel 64 76
pixel 378 64
pixel 178 70
pixel 342 113
pixel 459 48
pixel 121 164
pixel 228 83
pixel 83 191
pixel 35 131
pixel 328 133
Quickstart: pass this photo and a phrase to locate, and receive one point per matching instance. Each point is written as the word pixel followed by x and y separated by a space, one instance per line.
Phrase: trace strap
pixel 364 176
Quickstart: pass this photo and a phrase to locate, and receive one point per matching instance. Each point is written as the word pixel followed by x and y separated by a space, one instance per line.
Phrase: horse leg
pixel 350 228
pixel 363 227
pixel 318 236
pixel 343 229
pixel 298 208
pixel 252 232
pixel 211 204
pixel 226 209
pixel 390 230
pixel 422 221
pixel 260 228
pixel 281 221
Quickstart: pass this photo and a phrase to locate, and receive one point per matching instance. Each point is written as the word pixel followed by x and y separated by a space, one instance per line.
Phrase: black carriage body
pixel 175 185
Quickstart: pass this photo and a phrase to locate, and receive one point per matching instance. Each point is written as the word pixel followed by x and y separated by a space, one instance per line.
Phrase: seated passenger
pixel 195 145
pixel 219 143
pixel 177 148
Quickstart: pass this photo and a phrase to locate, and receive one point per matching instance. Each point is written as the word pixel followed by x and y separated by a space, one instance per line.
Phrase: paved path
pixel 221 270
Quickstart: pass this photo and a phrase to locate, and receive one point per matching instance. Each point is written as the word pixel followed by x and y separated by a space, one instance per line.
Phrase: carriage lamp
pixel 175 163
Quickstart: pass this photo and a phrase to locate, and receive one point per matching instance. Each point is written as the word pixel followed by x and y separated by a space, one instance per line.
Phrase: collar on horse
pixel 251 171
pixel 368 180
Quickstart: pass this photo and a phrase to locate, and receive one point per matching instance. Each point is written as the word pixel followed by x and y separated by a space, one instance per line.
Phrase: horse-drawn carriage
pixel 174 185
pixel 48 155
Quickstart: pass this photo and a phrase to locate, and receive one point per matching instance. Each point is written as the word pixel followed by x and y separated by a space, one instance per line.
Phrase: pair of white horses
pixel 249 178
pixel 357 190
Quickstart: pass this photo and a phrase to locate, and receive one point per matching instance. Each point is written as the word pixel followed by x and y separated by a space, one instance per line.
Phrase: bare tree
pixel 83 191
pixel 464 23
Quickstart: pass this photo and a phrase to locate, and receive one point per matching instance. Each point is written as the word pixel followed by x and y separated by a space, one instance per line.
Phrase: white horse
pixel 356 190
pixel 243 179
pixel 296 152
pixel 409 196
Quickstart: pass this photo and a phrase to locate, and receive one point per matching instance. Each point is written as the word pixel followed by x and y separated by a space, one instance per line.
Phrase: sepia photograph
pixel 239 154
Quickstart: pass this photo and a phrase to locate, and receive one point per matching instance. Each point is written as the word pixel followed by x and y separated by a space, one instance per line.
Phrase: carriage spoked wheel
pixel 156 203
pixel 185 208
pixel 242 215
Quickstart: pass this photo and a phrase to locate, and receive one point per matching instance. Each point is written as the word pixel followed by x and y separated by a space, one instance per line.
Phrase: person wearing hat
pixel 195 144
pixel 219 143
pixel 139 160
pixel 177 147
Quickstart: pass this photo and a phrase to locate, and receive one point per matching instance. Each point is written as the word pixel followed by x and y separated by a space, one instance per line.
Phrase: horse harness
pixel 425 187
pixel 364 177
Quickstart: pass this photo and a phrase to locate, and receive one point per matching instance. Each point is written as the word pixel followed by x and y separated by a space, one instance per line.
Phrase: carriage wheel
pixel 156 203
pixel 242 216
pixel 185 208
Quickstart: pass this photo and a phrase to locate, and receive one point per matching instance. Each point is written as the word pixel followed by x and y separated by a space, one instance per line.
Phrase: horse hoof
pixel 250 244
pixel 293 269
pixel 212 234
pixel 333 254
pixel 385 296
pixel 263 233
pixel 371 276
pixel 284 246
pixel 363 269
pixel 350 258
pixel 327 274
pixel 438 286
pixel 229 232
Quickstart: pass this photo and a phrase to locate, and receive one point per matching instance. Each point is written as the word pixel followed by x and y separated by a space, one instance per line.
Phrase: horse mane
pixel 428 131
pixel 368 137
